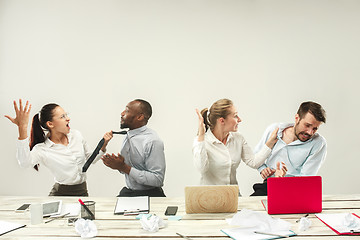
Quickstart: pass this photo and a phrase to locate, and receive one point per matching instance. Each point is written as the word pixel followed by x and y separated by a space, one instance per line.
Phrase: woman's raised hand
pixel 22 118
pixel 272 139
pixel 22 114
pixel 202 129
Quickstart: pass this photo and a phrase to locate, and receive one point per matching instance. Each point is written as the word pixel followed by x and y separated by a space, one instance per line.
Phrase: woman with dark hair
pixel 53 144
pixel 218 148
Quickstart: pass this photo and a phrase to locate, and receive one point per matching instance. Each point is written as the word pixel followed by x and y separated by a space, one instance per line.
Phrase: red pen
pixel 87 209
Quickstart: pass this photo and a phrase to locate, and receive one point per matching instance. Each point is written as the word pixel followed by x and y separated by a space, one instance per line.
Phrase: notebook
pixel 211 199
pixel 289 195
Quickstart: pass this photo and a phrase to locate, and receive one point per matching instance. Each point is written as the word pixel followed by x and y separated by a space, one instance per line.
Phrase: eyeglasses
pixel 64 116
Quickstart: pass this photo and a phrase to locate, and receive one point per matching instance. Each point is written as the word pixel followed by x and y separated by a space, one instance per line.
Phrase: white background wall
pixel 93 57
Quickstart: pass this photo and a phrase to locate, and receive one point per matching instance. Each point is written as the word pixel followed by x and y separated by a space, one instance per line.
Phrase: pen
pixel 300 218
pixel 87 209
pixel 271 234
pixel 131 212
pixel 53 218
pixel 184 236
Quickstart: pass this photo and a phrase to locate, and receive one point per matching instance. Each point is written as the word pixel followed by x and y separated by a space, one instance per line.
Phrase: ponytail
pixel 219 109
pixel 39 121
pixel 37 135
pixel 204 114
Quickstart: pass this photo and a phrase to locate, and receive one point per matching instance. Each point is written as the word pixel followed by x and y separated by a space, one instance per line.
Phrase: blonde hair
pixel 219 109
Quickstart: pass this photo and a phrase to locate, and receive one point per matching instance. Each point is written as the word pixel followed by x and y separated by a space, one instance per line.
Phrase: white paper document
pixel 340 223
pixel 249 234
pixel 73 209
pixel 6 227
pixel 130 205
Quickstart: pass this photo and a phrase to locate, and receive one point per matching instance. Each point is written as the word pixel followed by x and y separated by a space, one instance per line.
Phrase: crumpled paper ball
pixel 304 224
pixel 350 221
pixel 85 228
pixel 152 224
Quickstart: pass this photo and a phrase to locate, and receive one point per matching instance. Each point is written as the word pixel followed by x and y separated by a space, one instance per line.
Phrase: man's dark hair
pixel 313 108
pixel 145 108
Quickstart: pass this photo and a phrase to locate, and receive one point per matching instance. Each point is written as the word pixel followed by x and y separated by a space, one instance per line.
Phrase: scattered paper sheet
pixel 6 227
pixel 337 222
pixel 249 234
pixel 72 208
pixel 262 221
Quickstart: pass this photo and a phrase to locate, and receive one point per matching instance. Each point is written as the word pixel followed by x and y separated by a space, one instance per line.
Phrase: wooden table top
pixel 196 226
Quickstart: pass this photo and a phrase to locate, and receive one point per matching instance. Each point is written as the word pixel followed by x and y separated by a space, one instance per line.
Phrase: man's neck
pixel 288 135
pixel 137 126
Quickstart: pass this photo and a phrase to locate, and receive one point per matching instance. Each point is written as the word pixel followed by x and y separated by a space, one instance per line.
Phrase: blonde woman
pixel 218 148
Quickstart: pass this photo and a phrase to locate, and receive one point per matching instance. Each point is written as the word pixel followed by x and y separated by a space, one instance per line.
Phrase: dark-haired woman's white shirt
pixel 65 162
pixel 218 162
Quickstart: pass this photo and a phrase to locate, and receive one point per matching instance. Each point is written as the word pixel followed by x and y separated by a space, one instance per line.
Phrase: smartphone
pixel 23 207
pixel 171 210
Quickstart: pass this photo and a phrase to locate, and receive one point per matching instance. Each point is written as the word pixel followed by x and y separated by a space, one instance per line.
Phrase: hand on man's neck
pixel 288 135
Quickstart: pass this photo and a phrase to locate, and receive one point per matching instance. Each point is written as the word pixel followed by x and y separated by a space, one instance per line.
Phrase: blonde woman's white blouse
pixel 217 163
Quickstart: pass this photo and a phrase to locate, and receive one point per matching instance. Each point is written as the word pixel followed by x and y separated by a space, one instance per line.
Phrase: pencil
pixel 53 218
pixel 271 234
pixel 184 236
